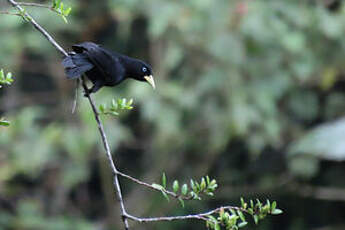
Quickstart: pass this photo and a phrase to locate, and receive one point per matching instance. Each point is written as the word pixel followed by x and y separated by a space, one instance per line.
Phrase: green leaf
pixel 212 219
pixel 197 185
pixel 184 189
pixel 276 211
pixel 208 180
pixel 256 219
pixel 233 212
pixel 242 202
pixel 157 186
pixel 4 123
pixel 211 222
pixel 113 103
pixel 232 220
pixel 102 108
pixel 68 11
pixel 210 193
pixel 202 184
pixel 192 185
pixel 250 211
pixel 123 102
pixel 266 209
pixel 114 113
pixel 213 185
pixel 273 206
pixel 58 3
pixel 175 186
pixel 242 224
pixel 240 214
pixel 181 202
pixel 165 195
pixel 258 203
pixel 164 180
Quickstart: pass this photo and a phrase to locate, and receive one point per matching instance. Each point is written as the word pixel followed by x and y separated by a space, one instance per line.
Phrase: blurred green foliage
pixel 242 88
pixel 5 79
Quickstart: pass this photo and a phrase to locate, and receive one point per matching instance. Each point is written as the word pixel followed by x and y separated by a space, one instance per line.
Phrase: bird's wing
pixel 76 64
pixel 102 59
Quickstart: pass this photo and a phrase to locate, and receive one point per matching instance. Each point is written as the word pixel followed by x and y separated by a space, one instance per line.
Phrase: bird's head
pixel 141 71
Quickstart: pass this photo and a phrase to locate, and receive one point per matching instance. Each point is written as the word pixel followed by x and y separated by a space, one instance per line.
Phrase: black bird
pixel 104 67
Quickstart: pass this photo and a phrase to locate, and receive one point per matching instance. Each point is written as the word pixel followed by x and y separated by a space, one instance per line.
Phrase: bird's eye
pixel 144 69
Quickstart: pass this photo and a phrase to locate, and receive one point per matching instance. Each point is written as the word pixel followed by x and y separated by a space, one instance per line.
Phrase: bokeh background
pixel 249 92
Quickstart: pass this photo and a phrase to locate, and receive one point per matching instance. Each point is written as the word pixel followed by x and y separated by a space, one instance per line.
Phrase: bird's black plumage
pixel 104 67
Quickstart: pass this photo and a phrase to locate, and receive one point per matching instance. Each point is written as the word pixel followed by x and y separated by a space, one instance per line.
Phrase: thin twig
pixel 110 159
pixel 38 27
pixel 38 5
pixel 200 216
pixel 154 188
pixel 99 123
pixel 33 4
pixel 125 215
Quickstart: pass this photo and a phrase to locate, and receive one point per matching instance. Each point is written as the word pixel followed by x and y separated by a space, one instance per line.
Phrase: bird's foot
pixel 87 93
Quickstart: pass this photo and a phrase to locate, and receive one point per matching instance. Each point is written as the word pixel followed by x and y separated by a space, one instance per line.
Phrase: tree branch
pixel 200 216
pixel 170 193
pixel 99 123
pixel 110 159
pixel 34 4
pixel 38 27
pixel 39 5
pixel 116 173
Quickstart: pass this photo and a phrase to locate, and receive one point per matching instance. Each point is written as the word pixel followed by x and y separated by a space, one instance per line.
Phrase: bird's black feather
pixel 77 64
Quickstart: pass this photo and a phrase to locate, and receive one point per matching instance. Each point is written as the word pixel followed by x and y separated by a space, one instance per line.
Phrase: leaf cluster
pixel 59 8
pixel 5 79
pixel 3 122
pixel 233 219
pixel 206 186
pixel 116 107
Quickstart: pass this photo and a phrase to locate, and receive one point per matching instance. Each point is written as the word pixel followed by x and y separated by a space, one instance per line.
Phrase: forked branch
pixel 99 123
pixel 228 215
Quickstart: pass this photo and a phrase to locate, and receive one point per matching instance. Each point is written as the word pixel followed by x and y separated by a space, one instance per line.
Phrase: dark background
pixel 248 92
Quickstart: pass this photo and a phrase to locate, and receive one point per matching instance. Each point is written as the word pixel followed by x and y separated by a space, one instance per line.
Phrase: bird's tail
pixel 76 64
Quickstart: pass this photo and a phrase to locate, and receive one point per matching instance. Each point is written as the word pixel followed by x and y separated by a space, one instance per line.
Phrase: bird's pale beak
pixel 150 80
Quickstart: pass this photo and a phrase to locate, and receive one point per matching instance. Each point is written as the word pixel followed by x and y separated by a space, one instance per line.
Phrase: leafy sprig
pixel 5 79
pixel 59 8
pixel 116 107
pixel 3 122
pixel 206 186
pixel 234 219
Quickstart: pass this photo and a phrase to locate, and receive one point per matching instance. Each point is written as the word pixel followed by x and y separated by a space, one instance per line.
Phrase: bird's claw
pixel 87 93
